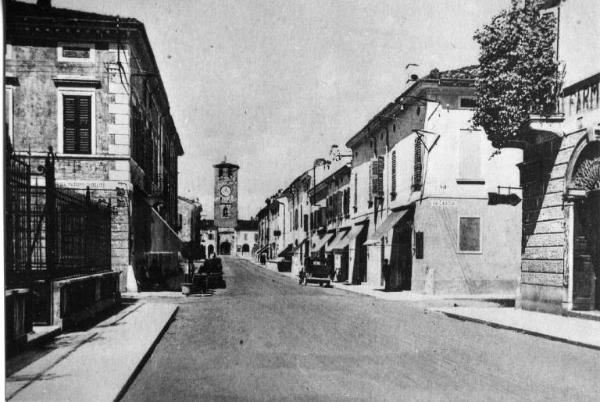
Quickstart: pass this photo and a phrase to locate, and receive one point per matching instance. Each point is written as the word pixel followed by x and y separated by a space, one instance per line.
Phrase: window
pixel 245 236
pixel 393 175
pixel 225 212
pixel 77 124
pixel 469 234
pixel 418 165
pixel 467 102
pixel 8 52
pixel 211 236
pixel 355 191
pixel 8 112
pixel 76 52
pixel 469 155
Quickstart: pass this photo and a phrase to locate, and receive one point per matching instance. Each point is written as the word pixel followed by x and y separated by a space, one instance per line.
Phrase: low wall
pixel 17 319
pixel 77 299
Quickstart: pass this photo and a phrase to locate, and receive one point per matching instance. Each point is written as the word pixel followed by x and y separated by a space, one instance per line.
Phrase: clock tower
pixel 226 195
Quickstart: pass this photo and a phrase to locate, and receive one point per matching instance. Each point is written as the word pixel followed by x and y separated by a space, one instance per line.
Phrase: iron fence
pixel 52 232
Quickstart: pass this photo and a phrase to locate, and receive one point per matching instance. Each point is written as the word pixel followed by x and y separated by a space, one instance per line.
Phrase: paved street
pixel 266 338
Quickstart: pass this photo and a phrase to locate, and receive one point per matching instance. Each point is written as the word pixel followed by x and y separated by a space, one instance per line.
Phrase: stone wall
pixel 545 238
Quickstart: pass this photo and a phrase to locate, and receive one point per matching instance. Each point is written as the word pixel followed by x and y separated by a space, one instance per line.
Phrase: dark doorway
pixel 211 250
pixel 360 260
pixel 403 261
pixel 586 253
pixel 225 248
pixel 245 248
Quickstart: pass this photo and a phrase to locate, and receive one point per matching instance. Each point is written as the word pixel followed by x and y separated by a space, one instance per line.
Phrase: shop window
pixel 469 234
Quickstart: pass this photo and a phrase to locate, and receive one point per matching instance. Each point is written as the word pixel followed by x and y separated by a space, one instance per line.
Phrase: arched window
pixel 225 212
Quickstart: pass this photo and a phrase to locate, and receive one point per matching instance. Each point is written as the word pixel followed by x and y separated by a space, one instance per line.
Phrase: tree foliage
pixel 518 71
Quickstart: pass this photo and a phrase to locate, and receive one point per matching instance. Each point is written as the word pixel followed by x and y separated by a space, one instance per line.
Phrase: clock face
pixel 225 191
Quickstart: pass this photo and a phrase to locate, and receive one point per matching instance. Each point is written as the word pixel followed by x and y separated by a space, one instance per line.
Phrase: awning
pixel 385 227
pixel 341 240
pixel 287 251
pixel 262 249
pixel 355 231
pixel 298 246
pixel 318 243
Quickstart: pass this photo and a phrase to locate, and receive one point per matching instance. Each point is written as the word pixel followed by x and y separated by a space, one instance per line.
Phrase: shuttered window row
pixel 77 123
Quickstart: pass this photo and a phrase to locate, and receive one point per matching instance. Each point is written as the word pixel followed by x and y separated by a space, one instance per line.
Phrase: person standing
pixel 387 274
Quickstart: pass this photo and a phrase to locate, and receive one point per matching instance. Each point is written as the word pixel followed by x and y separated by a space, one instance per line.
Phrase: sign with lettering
pixel 443 203
pixel 581 97
pixel 82 184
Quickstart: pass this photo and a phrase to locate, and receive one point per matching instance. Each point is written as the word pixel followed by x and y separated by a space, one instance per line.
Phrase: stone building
pixel 226 234
pixel 560 175
pixel 88 86
pixel 332 229
pixel 430 198
pixel 188 213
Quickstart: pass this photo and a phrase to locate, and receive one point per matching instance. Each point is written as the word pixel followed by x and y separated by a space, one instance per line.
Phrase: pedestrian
pixel 387 273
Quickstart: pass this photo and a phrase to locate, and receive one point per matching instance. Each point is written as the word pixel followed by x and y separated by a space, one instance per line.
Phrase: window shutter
pixel 380 166
pixel 85 126
pixel 394 172
pixel 77 123
pixel 373 179
pixel 418 166
pixel 355 190
pixel 69 124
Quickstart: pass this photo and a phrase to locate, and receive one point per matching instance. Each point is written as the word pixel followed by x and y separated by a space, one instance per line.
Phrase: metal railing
pixel 51 232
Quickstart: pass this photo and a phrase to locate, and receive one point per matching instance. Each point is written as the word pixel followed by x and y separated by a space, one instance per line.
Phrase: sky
pixel 272 85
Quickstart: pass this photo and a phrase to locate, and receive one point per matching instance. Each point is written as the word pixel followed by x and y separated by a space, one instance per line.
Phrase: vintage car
pixel 316 273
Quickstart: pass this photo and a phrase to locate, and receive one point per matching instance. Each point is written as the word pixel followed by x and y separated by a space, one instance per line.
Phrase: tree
pixel 518 71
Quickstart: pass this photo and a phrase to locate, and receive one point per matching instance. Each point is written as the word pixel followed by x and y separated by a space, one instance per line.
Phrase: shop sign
pixel 581 97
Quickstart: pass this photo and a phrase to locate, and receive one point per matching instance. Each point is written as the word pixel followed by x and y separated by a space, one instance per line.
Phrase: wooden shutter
pixel 373 178
pixel 394 172
pixel 418 165
pixel 77 123
pixel 380 166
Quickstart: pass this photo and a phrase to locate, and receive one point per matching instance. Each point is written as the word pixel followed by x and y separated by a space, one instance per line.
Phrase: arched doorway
pixel 225 248
pixel 585 182
pixel 245 248
pixel 211 250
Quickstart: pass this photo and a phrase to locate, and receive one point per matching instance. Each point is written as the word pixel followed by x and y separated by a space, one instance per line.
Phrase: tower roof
pixel 225 164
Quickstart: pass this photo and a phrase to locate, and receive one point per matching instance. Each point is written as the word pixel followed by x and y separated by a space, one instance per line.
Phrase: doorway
pixel 225 248
pixel 404 260
pixel 586 253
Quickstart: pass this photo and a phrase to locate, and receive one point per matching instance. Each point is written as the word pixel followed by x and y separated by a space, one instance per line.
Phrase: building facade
pixel 421 183
pixel 560 176
pixel 88 86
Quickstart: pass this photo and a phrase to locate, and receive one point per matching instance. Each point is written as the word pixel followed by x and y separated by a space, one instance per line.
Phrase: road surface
pixel 266 338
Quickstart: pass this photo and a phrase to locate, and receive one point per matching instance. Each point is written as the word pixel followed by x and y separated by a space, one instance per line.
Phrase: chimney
pixel 44 3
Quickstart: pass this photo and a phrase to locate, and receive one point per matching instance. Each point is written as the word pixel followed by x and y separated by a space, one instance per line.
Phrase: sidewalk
pixel 487 300
pixel 577 331
pixel 94 365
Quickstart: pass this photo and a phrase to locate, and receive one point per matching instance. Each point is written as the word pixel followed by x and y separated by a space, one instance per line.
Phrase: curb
pixel 43 339
pixel 146 356
pixel 516 329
